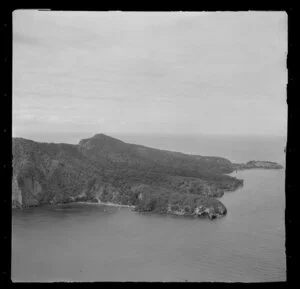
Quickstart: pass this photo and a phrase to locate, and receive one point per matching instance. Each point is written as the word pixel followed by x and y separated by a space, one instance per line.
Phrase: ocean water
pixel 81 242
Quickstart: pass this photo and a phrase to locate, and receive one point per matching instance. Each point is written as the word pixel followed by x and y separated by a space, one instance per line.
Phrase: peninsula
pixel 107 170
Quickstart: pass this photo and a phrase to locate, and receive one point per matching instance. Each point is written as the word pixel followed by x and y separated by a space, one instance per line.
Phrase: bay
pixel 92 242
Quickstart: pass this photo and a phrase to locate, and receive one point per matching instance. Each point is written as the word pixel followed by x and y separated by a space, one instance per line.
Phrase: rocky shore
pixel 192 206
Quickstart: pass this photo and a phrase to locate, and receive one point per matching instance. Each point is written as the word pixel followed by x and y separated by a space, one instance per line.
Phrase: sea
pixel 93 242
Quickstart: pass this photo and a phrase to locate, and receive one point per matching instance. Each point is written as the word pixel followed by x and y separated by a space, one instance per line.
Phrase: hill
pixel 102 168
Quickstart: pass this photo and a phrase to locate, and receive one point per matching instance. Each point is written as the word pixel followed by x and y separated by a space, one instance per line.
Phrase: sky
pixel 149 72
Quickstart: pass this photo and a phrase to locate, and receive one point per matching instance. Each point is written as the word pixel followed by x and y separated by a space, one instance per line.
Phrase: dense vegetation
pixel 106 169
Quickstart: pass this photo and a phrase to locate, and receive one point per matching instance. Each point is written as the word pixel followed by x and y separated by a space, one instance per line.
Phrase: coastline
pixel 105 204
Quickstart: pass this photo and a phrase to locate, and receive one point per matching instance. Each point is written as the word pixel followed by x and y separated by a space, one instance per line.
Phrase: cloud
pixel 19 38
pixel 215 71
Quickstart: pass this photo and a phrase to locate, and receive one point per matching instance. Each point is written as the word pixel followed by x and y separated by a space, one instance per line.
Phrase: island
pixel 103 169
pixel 258 165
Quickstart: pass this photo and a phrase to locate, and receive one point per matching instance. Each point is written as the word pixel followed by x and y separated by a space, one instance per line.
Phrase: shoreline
pixel 105 204
pixel 80 202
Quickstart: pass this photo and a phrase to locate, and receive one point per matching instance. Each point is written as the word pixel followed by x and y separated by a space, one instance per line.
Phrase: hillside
pixel 102 168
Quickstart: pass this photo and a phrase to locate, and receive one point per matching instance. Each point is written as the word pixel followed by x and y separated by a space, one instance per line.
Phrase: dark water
pixel 99 243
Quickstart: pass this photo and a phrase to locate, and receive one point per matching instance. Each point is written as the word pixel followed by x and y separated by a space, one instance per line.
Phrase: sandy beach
pixel 106 204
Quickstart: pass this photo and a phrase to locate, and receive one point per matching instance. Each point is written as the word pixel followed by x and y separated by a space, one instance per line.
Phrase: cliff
pixel 106 169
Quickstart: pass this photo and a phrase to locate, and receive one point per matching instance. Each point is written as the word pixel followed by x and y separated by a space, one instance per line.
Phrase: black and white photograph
pixel 149 146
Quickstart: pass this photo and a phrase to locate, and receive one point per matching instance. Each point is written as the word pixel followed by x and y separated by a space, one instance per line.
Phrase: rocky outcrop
pixel 182 205
pixel 16 194
pixel 212 211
